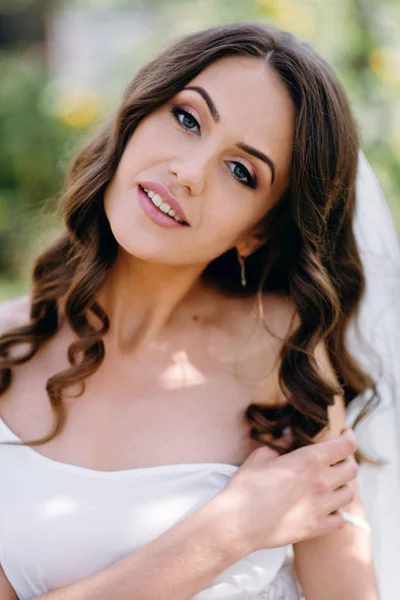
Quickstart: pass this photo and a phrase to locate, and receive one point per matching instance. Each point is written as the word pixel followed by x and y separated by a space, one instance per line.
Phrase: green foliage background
pixel 40 126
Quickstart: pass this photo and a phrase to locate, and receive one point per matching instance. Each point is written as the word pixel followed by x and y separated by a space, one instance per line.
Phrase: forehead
pixel 254 105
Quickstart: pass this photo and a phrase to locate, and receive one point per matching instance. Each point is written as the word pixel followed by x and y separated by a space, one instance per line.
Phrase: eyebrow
pixel 241 145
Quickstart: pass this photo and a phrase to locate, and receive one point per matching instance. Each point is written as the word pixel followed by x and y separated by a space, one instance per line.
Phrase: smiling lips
pixel 159 214
pixel 164 201
pixel 163 206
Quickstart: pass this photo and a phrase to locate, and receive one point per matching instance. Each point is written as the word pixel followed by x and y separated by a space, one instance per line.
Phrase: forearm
pixel 338 566
pixel 349 576
pixel 177 564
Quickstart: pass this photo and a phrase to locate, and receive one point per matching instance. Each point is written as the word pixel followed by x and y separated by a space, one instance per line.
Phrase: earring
pixel 242 270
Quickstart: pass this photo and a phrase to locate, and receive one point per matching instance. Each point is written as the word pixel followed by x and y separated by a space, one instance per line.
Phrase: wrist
pixel 228 525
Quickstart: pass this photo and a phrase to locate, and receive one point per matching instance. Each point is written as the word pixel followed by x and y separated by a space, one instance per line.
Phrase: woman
pixel 158 352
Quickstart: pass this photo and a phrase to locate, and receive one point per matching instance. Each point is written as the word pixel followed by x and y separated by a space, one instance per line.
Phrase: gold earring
pixel 242 270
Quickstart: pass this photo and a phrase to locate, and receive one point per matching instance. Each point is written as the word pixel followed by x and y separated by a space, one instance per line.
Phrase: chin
pixel 131 232
pixel 144 247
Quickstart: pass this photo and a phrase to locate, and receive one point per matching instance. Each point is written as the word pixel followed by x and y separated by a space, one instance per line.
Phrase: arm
pixel 338 565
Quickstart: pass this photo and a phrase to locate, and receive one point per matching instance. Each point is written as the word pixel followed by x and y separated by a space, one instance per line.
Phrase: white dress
pixel 60 523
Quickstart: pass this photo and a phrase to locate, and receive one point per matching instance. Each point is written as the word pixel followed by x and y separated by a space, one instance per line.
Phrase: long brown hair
pixel 318 266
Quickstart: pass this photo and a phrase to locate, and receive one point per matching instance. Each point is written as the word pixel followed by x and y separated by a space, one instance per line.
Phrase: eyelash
pixel 177 111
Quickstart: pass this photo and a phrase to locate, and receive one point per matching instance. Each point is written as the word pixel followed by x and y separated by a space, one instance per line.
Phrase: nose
pixel 190 173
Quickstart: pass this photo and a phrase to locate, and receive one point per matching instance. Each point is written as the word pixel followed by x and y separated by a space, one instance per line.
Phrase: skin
pixel 191 357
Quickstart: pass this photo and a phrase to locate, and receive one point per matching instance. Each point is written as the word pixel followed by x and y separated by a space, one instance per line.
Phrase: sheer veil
pixel 375 341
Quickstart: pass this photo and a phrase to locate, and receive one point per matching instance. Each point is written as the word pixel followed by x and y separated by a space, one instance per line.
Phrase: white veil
pixel 379 324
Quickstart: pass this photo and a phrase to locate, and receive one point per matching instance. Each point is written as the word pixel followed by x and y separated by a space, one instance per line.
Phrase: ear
pixel 251 241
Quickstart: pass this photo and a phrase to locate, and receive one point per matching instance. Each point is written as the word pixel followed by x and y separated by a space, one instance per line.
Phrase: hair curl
pixel 318 266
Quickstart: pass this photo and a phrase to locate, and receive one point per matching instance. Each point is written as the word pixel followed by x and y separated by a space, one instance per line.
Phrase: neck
pixel 143 299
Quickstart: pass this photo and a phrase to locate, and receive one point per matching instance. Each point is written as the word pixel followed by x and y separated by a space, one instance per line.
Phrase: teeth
pixel 156 199
pixel 163 206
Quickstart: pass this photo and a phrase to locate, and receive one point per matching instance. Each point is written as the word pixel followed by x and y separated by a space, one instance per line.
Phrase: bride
pixel 186 342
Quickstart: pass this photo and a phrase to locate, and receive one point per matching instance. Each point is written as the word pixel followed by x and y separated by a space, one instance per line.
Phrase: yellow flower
pixel 268 7
pixel 291 15
pixel 79 108
pixel 385 63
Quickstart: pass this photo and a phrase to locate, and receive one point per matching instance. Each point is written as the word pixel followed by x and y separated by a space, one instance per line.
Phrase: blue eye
pixel 184 118
pixel 243 175
pixel 188 122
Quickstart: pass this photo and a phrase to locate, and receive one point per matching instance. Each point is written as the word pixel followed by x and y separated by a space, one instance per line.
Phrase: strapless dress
pixel 60 523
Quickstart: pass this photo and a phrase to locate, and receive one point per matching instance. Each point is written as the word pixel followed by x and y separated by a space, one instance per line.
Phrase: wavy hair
pixel 318 266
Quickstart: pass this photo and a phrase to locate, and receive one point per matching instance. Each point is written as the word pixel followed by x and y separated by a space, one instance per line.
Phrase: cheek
pixel 141 151
pixel 118 207
pixel 120 198
pixel 151 142
pixel 138 152
pixel 221 227
pixel 231 212
pixel 224 227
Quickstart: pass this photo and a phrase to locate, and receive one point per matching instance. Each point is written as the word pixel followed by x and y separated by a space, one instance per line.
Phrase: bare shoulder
pixel 14 312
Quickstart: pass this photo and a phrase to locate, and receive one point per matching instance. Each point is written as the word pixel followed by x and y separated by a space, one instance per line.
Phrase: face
pixel 221 152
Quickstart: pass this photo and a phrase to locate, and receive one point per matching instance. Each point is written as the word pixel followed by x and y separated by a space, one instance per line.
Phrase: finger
pixel 333 522
pixel 338 449
pixel 261 456
pixel 285 441
pixel 342 473
pixel 339 498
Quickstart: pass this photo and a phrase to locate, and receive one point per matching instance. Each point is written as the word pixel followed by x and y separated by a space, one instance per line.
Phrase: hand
pixel 277 500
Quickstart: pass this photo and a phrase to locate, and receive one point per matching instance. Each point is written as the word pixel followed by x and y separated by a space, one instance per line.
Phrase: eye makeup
pixel 188 122
pixel 241 145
